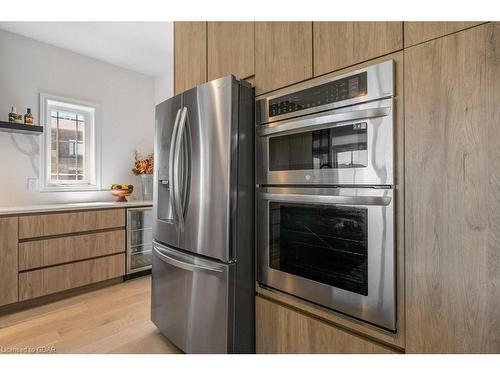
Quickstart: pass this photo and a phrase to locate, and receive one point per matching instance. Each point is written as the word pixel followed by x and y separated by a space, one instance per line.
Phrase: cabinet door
pixel 341 44
pixel 452 194
pixel 190 55
pixel 230 48
pixel 8 260
pixel 419 32
pixel 281 330
pixel 283 54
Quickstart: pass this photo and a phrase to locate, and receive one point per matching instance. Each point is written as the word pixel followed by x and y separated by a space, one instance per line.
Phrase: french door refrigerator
pixel 203 250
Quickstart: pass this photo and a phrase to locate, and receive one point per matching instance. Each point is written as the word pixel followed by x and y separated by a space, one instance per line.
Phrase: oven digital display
pixel 331 92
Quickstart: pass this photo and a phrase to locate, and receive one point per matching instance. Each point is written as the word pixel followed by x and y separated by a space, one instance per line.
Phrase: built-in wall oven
pixel 325 208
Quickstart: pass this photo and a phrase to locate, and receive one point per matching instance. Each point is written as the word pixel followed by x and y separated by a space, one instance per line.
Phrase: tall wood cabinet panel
pixel 8 260
pixel 190 55
pixel 283 54
pixel 418 32
pixel 452 184
pixel 341 44
pixel 281 330
pixel 230 49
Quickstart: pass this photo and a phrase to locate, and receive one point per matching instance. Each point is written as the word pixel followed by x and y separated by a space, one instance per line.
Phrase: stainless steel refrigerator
pixel 203 286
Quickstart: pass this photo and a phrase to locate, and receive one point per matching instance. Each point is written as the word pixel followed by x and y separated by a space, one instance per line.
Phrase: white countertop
pixel 21 210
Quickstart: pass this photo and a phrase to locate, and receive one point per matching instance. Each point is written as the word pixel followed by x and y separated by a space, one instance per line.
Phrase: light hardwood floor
pixel 115 319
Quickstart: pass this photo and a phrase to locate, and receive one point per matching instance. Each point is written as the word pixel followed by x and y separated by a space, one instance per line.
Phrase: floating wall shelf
pixel 12 127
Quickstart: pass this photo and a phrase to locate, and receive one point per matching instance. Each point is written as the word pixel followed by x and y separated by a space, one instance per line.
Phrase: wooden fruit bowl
pixel 121 191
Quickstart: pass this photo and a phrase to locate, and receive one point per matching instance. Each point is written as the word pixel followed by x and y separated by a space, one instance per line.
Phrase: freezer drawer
pixel 190 299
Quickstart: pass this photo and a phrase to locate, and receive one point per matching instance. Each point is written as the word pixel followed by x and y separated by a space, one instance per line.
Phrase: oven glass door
pixel 349 147
pixel 336 147
pixel 330 246
pixel 323 243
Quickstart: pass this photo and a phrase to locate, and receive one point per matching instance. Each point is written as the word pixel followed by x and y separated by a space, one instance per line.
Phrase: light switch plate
pixel 32 184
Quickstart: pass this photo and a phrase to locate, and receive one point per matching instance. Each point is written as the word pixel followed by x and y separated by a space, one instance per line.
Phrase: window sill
pixel 69 189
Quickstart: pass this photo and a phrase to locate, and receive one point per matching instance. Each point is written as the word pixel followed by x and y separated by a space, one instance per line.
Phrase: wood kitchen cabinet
pixel 283 54
pixel 341 44
pixel 452 161
pixel 282 330
pixel 230 49
pixel 45 281
pixel 190 55
pixel 8 260
pixel 41 225
pixel 52 251
pixel 419 32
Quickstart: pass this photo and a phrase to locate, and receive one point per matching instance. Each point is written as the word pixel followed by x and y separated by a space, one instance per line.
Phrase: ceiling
pixel 145 47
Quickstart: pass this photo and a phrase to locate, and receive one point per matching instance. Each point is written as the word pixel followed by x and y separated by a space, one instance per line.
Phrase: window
pixel 72 153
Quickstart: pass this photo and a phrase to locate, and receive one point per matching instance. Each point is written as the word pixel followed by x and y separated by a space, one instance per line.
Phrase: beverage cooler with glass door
pixel 139 239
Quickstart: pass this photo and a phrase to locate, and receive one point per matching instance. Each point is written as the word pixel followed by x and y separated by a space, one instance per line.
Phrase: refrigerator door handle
pixel 177 173
pixel 171 182
pixel 168 258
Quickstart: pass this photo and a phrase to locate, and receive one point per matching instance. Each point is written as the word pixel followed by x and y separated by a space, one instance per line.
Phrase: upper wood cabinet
pixel 452 162
pixel 341 44
pixel 230 48
pixel 190 55
pixel 283 54
pixel 8 260
pixel 418 32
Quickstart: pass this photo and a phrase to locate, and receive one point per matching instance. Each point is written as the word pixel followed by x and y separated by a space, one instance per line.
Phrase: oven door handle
pixel 329 199
pixel 315 123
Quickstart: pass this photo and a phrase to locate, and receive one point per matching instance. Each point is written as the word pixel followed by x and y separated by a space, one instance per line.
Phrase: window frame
pixel 49 102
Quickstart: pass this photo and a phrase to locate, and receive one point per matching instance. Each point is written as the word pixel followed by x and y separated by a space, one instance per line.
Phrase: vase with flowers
pixel 143 167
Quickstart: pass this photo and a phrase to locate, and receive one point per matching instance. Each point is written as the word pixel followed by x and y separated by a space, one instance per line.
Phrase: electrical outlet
pixel 32 184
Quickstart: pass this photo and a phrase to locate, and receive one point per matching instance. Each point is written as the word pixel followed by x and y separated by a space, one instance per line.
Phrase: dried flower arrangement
pixel 143 164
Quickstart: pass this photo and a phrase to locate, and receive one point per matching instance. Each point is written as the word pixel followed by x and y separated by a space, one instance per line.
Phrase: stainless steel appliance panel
pixel 375 117
pixel 165 227
pixel 210 128
pixel 380 84
pixel 189 301
pixel 377 303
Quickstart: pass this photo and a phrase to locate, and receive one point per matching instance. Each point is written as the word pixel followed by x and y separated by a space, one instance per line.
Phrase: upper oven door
pixel 347 146
pixel 330 246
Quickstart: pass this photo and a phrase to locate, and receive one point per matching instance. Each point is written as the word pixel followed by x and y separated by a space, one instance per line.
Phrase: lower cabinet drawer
pixel 50 280
pixel 44 253
pixel 53 224
pixel 281 330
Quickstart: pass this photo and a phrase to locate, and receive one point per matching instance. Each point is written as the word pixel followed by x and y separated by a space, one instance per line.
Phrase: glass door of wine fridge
pixel 139 239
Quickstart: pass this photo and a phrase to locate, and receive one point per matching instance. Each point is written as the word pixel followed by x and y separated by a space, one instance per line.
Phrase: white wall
pixel 28 67
pixel 164 87
pixel 164 83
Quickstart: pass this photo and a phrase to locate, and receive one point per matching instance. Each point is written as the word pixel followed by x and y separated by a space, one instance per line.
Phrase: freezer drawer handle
pixel 181 264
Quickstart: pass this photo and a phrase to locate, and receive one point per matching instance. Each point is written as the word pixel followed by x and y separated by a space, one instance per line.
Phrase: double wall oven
pixel 325 209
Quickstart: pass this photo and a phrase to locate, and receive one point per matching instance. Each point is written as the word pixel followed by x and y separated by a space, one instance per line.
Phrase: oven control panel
pixel 330 92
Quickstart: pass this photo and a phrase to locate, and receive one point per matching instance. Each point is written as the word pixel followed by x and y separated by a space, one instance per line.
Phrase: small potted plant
pixel 143 166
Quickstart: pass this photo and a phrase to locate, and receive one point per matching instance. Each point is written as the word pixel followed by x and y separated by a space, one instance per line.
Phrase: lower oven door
pixel 330 246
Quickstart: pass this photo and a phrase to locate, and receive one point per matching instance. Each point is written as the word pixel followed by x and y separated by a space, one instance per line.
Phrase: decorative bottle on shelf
pixel 28 117
pixel 14 116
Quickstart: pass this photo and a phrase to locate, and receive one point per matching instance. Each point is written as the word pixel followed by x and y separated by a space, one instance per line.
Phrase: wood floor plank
pixel 115 319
